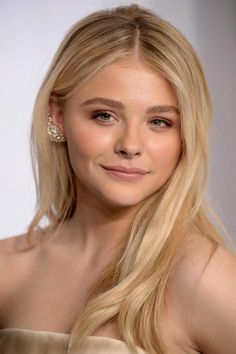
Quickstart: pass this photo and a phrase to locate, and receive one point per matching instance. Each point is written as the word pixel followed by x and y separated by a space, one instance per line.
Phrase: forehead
pixel 131 80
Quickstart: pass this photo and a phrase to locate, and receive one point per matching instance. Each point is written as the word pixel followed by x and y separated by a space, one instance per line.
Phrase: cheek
pixel 166 151
pixel 84 143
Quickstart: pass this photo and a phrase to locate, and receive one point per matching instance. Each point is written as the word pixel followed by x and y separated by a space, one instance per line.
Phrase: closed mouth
pixel 126 170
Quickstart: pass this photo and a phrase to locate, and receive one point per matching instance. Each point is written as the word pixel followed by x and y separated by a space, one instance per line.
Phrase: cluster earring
pixel 55 134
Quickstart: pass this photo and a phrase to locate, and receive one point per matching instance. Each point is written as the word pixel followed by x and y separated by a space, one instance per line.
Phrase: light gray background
pixel 30 32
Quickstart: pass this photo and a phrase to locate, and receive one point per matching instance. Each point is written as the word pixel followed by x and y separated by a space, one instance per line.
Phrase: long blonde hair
pixel 131 290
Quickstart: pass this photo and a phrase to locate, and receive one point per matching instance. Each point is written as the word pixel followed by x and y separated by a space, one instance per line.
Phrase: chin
pixel 123 202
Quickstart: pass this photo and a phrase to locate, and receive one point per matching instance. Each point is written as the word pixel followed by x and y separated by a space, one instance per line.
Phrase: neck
pixel 96 229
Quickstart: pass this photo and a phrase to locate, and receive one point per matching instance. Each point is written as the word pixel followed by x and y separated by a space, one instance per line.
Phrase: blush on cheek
pixel 82 149
pixel 167 155
pixel 167 147
pixel 80 142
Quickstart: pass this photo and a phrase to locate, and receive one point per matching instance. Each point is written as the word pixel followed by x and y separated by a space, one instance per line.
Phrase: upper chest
pixel 48 294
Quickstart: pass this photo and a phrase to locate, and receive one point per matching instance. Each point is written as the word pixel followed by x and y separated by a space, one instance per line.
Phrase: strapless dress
pixel 25 341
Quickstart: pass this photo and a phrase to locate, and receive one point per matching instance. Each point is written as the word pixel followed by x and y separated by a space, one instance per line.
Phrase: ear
pixel 55 109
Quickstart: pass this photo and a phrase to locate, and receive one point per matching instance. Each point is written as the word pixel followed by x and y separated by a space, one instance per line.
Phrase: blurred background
pixel 30 32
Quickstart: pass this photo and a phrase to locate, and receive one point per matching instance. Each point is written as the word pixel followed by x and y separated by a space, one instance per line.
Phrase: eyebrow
pixel 120 105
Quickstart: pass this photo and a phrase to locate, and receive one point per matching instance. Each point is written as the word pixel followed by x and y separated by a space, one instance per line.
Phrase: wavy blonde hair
pixel 132 289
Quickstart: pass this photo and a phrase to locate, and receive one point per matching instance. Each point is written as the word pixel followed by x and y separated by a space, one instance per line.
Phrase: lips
pixel 128 170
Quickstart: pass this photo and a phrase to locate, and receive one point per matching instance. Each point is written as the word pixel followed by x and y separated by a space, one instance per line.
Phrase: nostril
pixel 128 154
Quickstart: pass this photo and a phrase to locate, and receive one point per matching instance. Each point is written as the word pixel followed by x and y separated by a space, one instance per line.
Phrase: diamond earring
pixel 55 134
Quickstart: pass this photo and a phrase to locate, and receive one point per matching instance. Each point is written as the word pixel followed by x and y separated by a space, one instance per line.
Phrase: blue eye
pixel 102 116
pixel 105 117
pixel 168 124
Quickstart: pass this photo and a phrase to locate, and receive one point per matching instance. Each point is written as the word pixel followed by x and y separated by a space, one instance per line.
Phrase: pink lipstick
pixel 126 173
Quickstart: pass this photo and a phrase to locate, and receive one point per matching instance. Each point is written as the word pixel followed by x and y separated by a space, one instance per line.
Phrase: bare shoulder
pixel 189 265
pixel 11 249
pixel 15 254
pixel 213 324
pixel 201 293
pixel 13 244
pixel 15 251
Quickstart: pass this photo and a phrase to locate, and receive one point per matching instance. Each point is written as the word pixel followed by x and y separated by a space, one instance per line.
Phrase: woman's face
pixel 126 116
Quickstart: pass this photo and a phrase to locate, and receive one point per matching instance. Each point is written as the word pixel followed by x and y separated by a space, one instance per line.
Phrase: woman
pixel 128 260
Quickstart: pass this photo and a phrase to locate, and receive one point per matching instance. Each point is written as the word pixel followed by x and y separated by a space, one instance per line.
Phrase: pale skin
pixel 145 133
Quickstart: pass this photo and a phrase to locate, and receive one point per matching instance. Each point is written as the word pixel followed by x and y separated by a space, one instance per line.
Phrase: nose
pixel 128 143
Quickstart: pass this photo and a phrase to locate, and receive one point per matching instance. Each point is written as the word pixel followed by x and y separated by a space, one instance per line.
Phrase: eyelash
pixel 95 116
